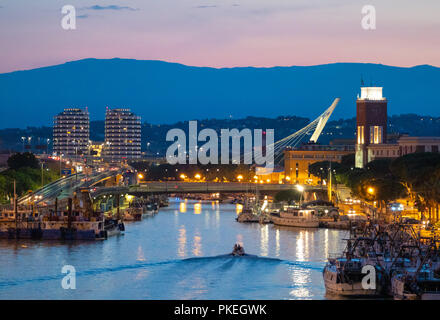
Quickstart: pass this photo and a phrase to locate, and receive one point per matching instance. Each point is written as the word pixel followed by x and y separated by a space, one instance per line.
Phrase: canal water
pixel 177 254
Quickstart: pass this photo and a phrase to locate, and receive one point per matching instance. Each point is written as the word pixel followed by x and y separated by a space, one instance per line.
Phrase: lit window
pixel 360 135
pixel 376 134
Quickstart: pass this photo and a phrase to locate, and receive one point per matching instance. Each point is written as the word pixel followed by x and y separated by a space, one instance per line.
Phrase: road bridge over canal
pixel 196 187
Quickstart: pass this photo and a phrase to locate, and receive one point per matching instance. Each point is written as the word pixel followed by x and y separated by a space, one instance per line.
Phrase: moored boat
pixel 295 218
pixel 247 215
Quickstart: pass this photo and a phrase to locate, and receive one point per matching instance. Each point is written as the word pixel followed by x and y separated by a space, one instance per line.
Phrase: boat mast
pixel 329 184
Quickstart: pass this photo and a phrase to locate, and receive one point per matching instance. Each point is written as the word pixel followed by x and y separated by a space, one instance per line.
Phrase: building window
pixel 376 134
pixel 360 135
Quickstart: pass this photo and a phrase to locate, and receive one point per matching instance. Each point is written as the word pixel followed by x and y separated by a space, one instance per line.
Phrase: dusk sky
pixel 220 33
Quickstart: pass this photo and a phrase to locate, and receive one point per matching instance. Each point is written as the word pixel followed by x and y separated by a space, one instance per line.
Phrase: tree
pixel 22 160
pixel 348 161
pixel 419 173
pixel 321 169
pixel 375 182
pixel 287 196
pixel 379 167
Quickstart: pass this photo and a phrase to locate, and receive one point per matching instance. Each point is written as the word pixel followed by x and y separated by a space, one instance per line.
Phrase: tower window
pixel 376 134
pixel 360 135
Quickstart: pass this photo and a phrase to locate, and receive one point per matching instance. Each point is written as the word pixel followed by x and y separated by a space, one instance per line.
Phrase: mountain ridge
pixel 166 92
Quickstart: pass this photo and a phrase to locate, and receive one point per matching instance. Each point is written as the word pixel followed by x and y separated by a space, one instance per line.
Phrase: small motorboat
pixel 238 251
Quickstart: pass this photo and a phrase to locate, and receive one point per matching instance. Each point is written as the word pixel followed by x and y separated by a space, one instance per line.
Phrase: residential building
pixel 122 134
pixel 71 132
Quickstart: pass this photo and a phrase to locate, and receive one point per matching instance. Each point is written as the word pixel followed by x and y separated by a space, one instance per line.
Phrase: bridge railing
pixel 191 187
pixel 182 187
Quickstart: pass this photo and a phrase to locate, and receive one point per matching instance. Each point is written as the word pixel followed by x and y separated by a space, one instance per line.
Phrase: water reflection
pixel 182 207
pixel 277 242
pixel 240 239
pixel 140 254
pixel 300 246
pixel 198 208
pixel 301 283
pixel 264 240
pixel 197 245
pixel 207 219
pixel 182 242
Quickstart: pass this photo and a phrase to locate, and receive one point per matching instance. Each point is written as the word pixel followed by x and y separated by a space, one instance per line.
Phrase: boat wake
pixel 223 276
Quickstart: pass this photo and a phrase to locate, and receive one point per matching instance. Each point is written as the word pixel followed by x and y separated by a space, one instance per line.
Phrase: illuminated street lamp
pixel 198 176
pixel 23 139
pixel 140 176
pixel 370 190
pixel 300 188
pixel 239 178
pixel 182 176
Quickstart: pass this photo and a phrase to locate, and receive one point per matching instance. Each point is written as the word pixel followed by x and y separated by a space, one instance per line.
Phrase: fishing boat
pixel 293 217
pixel 420 280
pixel 247 215
pixel 407 266
pixel 77 222
pixel 344 275
pixel 113 227
pixel 250 212
pixel 150 208
pixel 133 214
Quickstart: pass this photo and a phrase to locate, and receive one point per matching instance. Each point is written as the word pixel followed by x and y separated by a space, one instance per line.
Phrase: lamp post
pixel 42 179
pixel 60 164
pixel 372 191
pixel 300 188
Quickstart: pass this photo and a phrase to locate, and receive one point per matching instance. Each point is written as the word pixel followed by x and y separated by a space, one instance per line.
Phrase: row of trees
pixel 415 175
pixel 25 169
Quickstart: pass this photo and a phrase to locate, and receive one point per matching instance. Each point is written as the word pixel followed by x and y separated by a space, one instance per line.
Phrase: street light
pixel 239 178
pixel 198 176
pixel 371 190
pixel 300 188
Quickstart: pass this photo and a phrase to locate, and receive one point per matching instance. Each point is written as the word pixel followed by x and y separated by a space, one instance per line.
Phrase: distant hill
pixel 164 92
